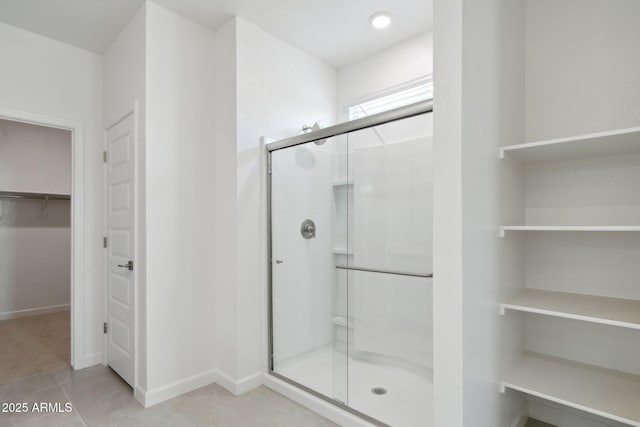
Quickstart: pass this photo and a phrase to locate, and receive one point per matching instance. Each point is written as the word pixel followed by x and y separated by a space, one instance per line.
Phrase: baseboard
pixel 139 394
pixel 7 315
pixel 522 417
pixel 315 404
pixel 560 415
pixel 90 360
pixel 160 394
pixel 242 385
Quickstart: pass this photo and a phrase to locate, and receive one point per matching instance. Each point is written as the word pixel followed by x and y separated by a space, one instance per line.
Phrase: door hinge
pixel 104 327
pixel 104 156
pixel 104 242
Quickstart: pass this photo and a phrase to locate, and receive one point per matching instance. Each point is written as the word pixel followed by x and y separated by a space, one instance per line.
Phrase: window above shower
pixel 407 94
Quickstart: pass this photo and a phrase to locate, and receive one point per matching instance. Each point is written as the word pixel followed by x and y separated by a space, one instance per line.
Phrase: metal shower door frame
pixel 401 113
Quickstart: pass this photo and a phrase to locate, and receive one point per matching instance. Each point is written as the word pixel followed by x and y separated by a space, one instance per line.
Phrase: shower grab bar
pixel 374 270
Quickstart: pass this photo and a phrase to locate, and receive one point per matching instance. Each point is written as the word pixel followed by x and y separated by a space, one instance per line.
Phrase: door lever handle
pixel 128 265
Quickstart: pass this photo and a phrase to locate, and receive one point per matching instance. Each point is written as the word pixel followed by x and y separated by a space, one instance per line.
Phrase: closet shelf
pixel 505 228
pixel 29 195
pixel 614 142
pixel 342 183
pixel 611 394
pixel 589 308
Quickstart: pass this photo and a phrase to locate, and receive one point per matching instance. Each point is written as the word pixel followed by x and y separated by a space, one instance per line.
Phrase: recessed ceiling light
pixel 380 20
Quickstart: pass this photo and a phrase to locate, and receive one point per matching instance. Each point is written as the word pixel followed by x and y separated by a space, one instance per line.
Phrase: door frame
pixel 134 113
pixel 77 215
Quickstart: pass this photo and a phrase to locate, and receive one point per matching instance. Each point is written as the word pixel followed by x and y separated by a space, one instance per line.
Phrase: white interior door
pixel 120 248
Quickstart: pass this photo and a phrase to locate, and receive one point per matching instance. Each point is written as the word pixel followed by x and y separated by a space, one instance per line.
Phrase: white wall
pixel 582 58
pixel 124 85
pixel 35 257
pixel 399 64
pixel 34 158
pixel 39 75
pixel 180 194
pixel 275 98
pixel 479 106
pixel 447 221
pixel 278 89
pixel 35 236
pixel 492 115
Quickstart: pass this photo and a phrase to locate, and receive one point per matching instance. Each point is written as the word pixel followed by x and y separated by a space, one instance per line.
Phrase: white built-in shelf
pixel 615 142
pixel 505 228
pixel 341 251
pixel 589 308
pixel 611 394
pixel 342 183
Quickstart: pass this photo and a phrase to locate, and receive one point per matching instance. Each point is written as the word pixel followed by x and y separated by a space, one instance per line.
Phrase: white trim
pixel 314 404
pixel 77 219
pixel 586 228
pixel 242 385
pixel 34 311
pixel 174 389
pixel 574 138
pixel 136 243
pixel 92 359
pixel 139 394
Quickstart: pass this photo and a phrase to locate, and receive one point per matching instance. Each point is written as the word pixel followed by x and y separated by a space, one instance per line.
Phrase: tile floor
pixel 33 345
pixel 100 398
pixel 34 360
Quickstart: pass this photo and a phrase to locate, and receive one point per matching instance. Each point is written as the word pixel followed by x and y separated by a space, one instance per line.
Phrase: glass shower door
pixel 351 263
pixel 306 237
pixel 390 297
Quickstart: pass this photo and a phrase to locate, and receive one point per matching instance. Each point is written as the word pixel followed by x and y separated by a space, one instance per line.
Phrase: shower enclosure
pixel 350 251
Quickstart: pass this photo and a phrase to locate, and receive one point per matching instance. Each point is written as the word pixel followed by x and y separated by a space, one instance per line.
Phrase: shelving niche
pixel 603 392
pixel 580 214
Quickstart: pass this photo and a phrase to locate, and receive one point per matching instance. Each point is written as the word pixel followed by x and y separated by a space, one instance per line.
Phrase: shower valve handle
pixel 308 229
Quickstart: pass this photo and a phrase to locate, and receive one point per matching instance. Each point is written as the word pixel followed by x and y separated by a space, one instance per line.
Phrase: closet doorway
pixel 40 245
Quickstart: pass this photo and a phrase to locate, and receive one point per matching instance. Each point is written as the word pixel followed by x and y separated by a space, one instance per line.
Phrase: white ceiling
pixel 88 24
pixel 335 31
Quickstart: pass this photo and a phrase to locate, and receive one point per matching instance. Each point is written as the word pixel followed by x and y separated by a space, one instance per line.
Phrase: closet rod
pixel 33 196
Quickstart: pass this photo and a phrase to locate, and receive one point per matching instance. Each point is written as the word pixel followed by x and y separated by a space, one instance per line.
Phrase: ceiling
pixel 88 24
pixel 335 31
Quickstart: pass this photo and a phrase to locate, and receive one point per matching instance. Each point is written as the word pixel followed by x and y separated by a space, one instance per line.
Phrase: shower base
pixel 408 400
